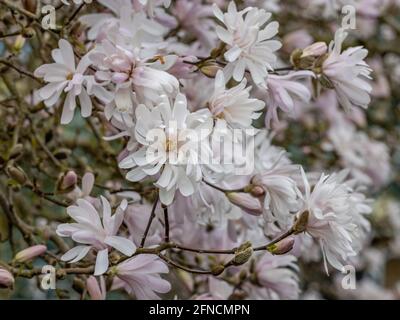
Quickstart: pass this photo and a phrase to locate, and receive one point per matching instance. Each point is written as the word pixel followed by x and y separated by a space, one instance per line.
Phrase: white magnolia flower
pixel 174 143
pixel 64 76
pixel 347 73
pixel 96 232
pixel 248 41
pixel 234 105
pixel 335 217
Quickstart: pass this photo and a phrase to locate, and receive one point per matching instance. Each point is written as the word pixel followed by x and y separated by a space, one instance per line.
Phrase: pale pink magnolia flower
pixel 296 40
pixel 64 76
pixel 284 92
pixel 277 278
pixel 335 218
pixel 249 45
pixel 234 105
pixel 136 219
pixel 150 6
pixel 95 231
pixel 195 18
pixel 217 290
pixel 140 276
pixel 129 71
pixel 348 73
pixel 368 160
pixel 122 18
pixel 96 291
pixel 280 196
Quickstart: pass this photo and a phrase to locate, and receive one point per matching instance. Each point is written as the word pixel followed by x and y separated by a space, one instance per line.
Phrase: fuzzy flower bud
pixel 68 181
pixel 243 254
pixel 210 68
pixel 282 247
pixel 315 50
pixel 30 253
pixel 6 279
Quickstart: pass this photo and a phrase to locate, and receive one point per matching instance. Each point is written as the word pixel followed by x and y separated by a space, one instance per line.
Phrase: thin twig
pixel 151 218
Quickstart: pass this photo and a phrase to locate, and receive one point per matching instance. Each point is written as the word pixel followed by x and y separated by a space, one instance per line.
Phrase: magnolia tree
pixel 198 149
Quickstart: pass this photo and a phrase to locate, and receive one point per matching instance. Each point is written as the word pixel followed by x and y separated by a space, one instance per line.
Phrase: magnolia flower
pixel 140 276
pixel 96 232
pixel 234 105
pixel 174 142
pixel 280 196
pixel 347 72
pixel 284 92
pixel 335 218
pixel 124 66
pixel 122 19
pixel 248 44
pixel 277 278
pixel 63 76
pixel 194 17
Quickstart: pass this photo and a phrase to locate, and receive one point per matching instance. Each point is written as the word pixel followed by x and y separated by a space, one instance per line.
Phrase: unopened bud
pixel 67 182
pixel 243 254
pixel 315 50
pixel 29 5
pixel 246 202
pixel 210 68
pixel 28 32
pixel 282 247
pixel 256 191
pixel 300 224
pixel 217 269
pixel 6 279
pixel 19 43
pixel 16 151
pixel 30 253
pixel 17 174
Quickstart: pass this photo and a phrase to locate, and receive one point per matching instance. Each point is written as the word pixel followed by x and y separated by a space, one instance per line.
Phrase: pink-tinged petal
pixel 68 109
pixel 75 254
pixel 101 262
pixel 125 246
pixel 67 54
pixel 87 183
pixel 86 104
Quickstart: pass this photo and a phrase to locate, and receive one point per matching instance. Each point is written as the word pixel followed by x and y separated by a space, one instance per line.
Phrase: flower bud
pixel 16 151
pixel 300 224
pixel 210 68
pixel 18 44
pixel 30 5
pixel 6 279
pixel 256 191
pixel 246 202
pixel 67 182
pixel 316 49
pixel 30 253
pixel 282 247
pixel 95 292
pixel 17 174
pixel 242 254
pixel 217 269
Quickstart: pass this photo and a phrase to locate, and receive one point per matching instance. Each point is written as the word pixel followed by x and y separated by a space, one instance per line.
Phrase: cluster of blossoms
pixel 195 93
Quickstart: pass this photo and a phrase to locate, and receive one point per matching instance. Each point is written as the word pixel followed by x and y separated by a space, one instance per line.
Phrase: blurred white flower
pixel 277 278
pixel 96 232
pixel 283 92
pixel 248 43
